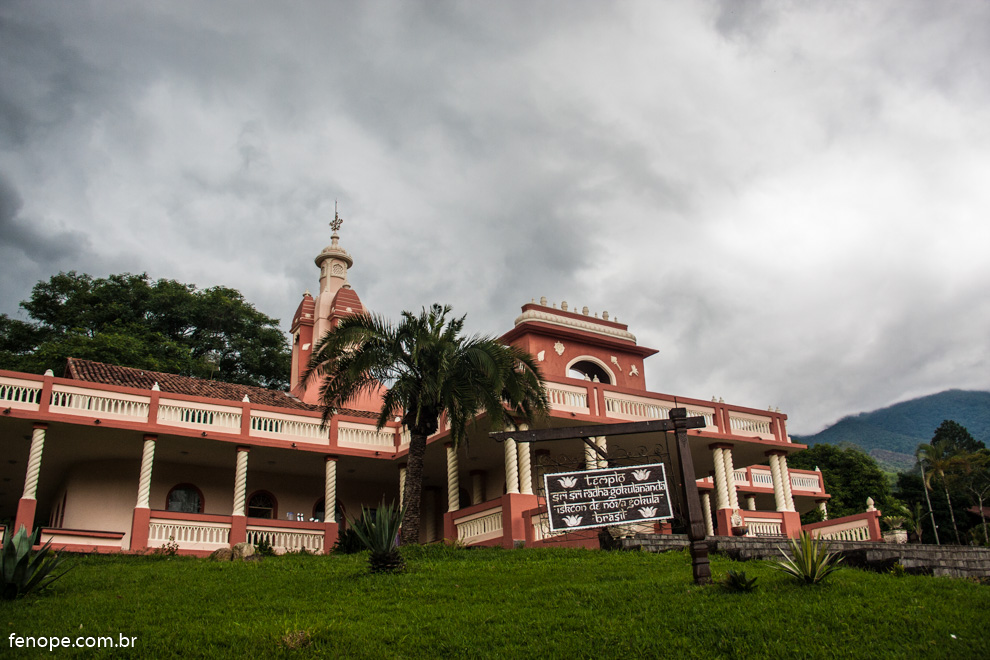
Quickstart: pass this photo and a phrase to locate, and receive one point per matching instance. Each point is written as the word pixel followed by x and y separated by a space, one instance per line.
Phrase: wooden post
pixel 692 501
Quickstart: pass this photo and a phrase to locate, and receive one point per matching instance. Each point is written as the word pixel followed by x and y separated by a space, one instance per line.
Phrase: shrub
pixel 264 547
pixel 738 582
pixel 811 561
pixel 348 542
pixel 169 549
pixel 21 569
pixel 379 532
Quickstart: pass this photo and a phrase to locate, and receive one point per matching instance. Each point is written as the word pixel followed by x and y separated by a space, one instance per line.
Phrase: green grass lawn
pixel 552 603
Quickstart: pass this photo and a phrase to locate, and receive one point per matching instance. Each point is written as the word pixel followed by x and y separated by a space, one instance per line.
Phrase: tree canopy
pixel 160 325
pixel 850 476
pixel 430 369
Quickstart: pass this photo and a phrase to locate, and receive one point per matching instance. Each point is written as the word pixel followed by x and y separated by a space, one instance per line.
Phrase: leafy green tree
pixel 974 477
pixel 850 476
pixel 160 325
pixel 430 369
pixel 939 461
pixel 954 438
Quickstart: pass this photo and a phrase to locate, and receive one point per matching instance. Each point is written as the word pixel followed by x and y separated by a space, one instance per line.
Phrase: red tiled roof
pixel 143 379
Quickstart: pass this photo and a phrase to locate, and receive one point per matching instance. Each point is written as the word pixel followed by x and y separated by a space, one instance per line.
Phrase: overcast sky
pixel 788 200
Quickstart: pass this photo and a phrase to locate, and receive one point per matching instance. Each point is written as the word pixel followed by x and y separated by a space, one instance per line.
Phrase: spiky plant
pixel 811 561
pixel 21 569
pixel 379 532
pixel 737 581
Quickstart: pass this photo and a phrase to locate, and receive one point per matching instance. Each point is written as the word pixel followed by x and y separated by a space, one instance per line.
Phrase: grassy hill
pixel 530 603
pixel 892 434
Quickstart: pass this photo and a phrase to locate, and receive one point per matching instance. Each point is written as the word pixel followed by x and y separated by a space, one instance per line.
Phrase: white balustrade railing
pixel 287 540
pixel 188 535
pixel 20 394
pixel 709 416
pixel 273 425
pixel 761 478
pixel 804 482
pixel 754 426
pixel 763 527
pixel 625 406
pixel 858 531
pixel 567 398
pixel 482 526
pixel 75 401
pixel 365 436
pixel 740 477
pixel 198 416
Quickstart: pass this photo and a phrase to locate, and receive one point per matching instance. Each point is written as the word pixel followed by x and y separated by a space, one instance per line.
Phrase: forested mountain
pixel 892 434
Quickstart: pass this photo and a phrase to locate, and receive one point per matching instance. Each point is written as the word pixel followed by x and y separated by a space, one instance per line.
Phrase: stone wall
pixel 940 560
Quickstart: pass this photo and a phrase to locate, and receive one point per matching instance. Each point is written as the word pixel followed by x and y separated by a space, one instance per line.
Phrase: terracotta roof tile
pixel 143 379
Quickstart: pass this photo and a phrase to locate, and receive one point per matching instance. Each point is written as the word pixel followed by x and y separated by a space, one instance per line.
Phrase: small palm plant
pixel 811 562
pixel 23 570
pixel 738 582
pixel 379 532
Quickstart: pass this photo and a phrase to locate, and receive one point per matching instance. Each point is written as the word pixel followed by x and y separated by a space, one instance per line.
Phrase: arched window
pixel 184 498
pixel 262 504
pixel 586 369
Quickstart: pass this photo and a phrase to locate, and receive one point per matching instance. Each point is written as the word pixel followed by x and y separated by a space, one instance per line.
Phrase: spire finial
pixel 337 220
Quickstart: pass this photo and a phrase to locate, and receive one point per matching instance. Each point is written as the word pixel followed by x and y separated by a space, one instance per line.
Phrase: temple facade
pixel 109 458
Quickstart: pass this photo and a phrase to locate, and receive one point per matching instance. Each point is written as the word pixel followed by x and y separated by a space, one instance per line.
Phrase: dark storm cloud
pixel 30 238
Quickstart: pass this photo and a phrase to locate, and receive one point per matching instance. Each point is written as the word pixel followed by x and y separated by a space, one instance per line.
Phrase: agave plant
pixel 21 569
pixel 737 581
pixel 811 562
pixel 379 532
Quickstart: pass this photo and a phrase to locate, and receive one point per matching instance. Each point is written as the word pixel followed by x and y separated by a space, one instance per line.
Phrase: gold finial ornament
pixel 337 220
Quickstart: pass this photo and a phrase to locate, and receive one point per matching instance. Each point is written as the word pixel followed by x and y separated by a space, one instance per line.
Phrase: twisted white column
pixel 402 485
pixel 144 482
pixel 786 479
pixel 778 484
pixel 590 457
pixel 730 478
pixel 602 444
pixel 706 507
pixel 824 509
pixel 240 482
pixel 525 465
pixel 330 491
pixel 34 463
pixel 721 488
pixel 453 482
pixel 751 502
pixel 511 467
pixel 477 487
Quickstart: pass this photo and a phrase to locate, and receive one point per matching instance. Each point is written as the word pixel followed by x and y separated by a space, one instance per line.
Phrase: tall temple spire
pixel 334 261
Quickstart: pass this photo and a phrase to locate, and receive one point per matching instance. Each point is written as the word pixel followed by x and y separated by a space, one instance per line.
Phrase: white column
pixel 778 486
pixel 34 462
pixel 511 467
pixel 602 444
pixel 240 481
pixel 751 502
pixel 525 465
pixel 453 479
pixel 590 457
pixel 785 476
pixel 402 484
pixel 721 490
pixel 823 508
pixel 706 507
pixel 330 490
pixel 144 481
pixel 477 486
pixel 730 478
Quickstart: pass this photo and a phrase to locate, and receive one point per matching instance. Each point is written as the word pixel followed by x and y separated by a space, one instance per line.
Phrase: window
pixel 262 504
pixel 184 498
pixel 588 370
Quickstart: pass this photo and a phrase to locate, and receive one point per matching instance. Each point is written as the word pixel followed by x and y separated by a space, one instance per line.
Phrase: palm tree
pixel 939 461
pixel 430 369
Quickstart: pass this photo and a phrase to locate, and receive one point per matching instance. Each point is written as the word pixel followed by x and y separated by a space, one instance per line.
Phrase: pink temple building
pixel 108 458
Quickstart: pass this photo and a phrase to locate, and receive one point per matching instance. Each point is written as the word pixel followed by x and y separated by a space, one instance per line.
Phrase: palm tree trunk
pixel 413 495
pixel 928 499
pixel 951 512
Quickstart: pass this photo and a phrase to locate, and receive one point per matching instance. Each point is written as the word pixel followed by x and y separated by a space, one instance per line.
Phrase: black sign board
pixel 612 496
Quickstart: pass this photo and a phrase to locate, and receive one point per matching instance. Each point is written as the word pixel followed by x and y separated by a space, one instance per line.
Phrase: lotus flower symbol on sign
pixel 641 475
pixel 648 511
pixel 568 482
pixel 572 521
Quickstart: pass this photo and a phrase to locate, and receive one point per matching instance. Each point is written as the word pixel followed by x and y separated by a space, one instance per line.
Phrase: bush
pixel 811 561
pixel 347 543
pixel 21 569
pixel 264 547
pixel 738 582
pixel 379 532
